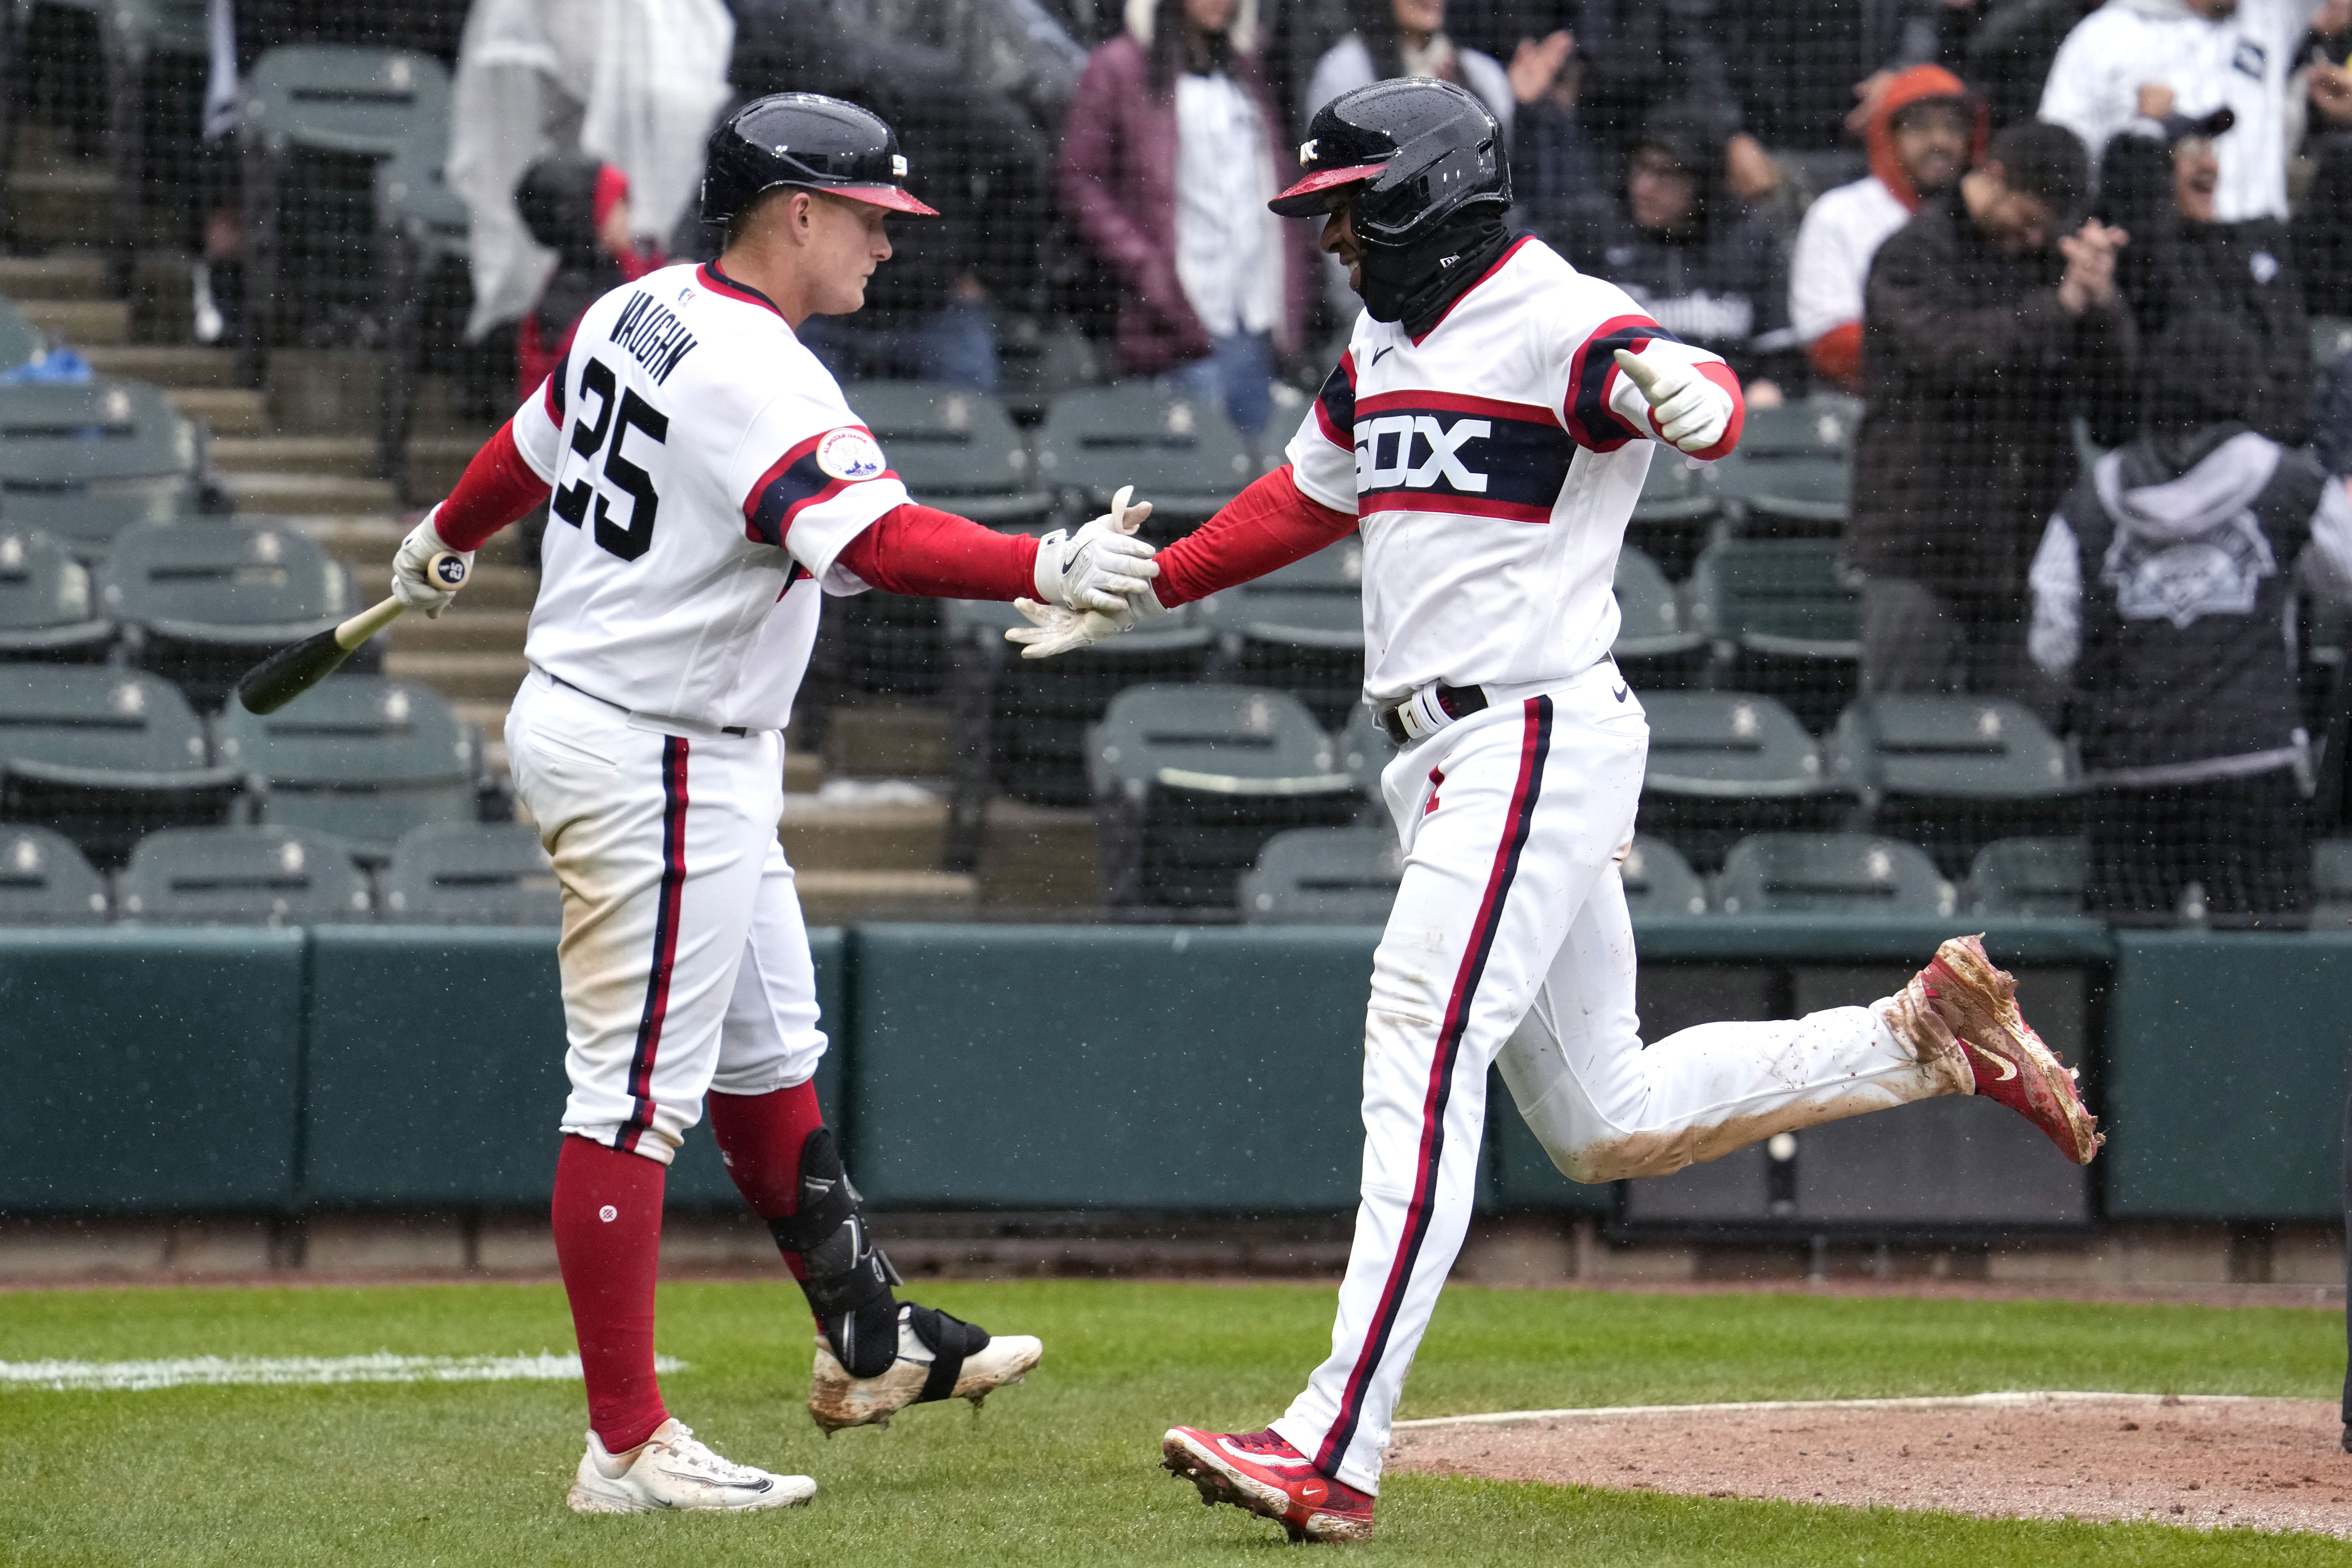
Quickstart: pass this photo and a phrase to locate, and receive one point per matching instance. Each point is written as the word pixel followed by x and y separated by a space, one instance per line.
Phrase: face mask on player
pixel 1413 283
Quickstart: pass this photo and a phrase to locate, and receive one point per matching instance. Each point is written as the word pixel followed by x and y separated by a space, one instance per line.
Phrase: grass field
pixel 1063 1470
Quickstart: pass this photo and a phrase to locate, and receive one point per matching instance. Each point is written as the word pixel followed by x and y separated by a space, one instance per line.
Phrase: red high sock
pixel 607 1216
pixel 760 1135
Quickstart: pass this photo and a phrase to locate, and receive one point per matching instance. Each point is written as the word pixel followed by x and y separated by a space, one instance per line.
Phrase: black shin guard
pixel 849 1280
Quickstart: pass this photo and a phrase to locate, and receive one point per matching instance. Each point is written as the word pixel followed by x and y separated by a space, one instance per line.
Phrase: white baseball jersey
pixel 707 471
pixel 1492 464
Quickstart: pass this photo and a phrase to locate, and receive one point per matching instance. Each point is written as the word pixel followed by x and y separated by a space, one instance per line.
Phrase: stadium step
pixel 1037 857
pixel 493 588
pixel 300 495
pixel 462 629
pixel 61 203
pixel 66 276
pixel 845 898
pixel 435 461
pixel 223 410
pixel 849 835
pixel 483 676
pixel 165 365
pixel 888 739
pixel 338 457
pixel 80 323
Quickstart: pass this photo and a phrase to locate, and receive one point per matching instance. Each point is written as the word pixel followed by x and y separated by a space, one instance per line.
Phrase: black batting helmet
pixel 1427 153
pixel 805 140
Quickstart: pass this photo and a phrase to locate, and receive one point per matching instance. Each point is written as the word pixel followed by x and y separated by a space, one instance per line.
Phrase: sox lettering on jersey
pixel 1429 451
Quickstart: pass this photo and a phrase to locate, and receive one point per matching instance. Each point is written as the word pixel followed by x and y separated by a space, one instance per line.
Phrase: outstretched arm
pixel 1267 526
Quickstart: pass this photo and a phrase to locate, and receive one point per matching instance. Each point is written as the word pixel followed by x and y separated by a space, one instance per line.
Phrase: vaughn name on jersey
pixel 1492 464
pixel 707 471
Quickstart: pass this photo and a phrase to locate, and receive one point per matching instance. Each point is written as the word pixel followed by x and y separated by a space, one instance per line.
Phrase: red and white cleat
pixel 1261 1472
pixel 2012 1065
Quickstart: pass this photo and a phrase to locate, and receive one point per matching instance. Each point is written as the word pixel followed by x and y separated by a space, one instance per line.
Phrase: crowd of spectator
pixel 1998 224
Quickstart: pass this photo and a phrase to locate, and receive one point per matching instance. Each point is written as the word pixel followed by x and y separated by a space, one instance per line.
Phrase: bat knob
pixel 446 570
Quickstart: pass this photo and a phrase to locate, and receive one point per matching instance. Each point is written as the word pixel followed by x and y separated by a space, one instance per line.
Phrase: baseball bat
pixel 294 670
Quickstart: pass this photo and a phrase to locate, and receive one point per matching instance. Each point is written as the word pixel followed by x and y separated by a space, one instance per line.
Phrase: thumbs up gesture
pixel 1688 410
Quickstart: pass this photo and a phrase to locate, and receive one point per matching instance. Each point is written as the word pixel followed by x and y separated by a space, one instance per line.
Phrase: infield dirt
pixel 2203 1461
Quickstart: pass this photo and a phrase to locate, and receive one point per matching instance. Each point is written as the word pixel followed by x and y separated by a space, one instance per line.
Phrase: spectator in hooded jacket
pixel 578 207
pixel 1703 265
pixel 1983 340
pixel 2158 183
pixel 1170 155
pixel 1407 37
pixel 2167 585
pixel 2239 55
pixel 1925 132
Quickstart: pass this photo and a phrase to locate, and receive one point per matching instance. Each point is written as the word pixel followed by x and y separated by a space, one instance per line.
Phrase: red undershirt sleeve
pixel 1268 525
pixel 914 549
pixel 497 487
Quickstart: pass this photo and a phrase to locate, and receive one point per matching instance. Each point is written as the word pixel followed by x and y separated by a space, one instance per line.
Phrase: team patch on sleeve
pixel 1335 406
pixel 1432 451
pixel 815 470
pixel 1591 372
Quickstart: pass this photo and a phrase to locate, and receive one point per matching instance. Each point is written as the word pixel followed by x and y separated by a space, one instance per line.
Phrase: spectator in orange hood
pixel 1925 133
pixel 579 208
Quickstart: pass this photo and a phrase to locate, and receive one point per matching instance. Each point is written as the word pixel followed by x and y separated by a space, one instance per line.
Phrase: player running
pixel 1488 429
pixel 708 484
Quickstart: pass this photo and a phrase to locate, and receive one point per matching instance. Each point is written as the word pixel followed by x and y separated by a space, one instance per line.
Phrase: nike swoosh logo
pixel 1378 354
pixel 757 1486
pixel 2007 1069
pixel 1620 693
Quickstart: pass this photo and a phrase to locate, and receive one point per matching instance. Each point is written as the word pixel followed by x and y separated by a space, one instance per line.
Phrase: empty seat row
pixel 82 461
pixel 107 756
pixel 439 874
pixel 197 600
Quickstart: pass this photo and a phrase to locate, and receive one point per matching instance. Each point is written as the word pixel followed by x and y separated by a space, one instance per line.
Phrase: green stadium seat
pixel 955 448
pixel 2331 885
pixel 472 873
pixel 1323 875
pixel 1659 881
pixel 364 757
pixel 1365 753
pixel 324 98
pixel 1798 498
pixel 45 882
pixel 1300 629
pixel 83 461
pixel 201 602
pixel 1789 475
pixel 1677 511
pixel 1953 773
pixel 1724 765
pixel 1785 621
pixel 1021 723
pixel 105 756
pixel 2028 879
pixel 1191 781
pixel 243 875
pixel 1181 454
pixel 1832 873
pixel 46 611
pixel 1656 647
pixel 19 341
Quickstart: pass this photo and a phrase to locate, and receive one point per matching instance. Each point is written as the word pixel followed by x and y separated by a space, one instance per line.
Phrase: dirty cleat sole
pixel 837 1400
pixel 2010 1063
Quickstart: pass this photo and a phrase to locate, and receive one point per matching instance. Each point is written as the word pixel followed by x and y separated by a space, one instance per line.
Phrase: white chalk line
pixel 273 1372
pixel 1924 1402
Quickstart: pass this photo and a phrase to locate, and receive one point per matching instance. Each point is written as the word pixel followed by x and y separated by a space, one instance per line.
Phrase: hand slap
pixel 1101 566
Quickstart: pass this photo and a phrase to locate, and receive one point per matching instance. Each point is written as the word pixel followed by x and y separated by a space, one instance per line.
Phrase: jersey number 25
pixel 570 503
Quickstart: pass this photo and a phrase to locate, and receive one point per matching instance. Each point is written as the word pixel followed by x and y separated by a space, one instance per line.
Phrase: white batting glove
pixel 409 584
pixel 1668 394
pixel 1102 563
pixel 1054 629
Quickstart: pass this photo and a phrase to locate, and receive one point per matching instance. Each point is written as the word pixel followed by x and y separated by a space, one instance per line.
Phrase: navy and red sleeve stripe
pixel 1593 374
pixel 793 483
pixel 1335 406
pixel 554 388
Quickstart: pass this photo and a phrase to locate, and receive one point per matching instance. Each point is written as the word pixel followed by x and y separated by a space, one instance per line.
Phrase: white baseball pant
pixel 684 961
pixel 1509 943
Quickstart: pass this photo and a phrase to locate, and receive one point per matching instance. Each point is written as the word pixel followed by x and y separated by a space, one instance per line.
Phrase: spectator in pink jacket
pixel 1170 154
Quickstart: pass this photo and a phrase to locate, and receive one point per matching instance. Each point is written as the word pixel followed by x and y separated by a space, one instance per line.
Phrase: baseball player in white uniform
pixel 707 483
pixel 1488 430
